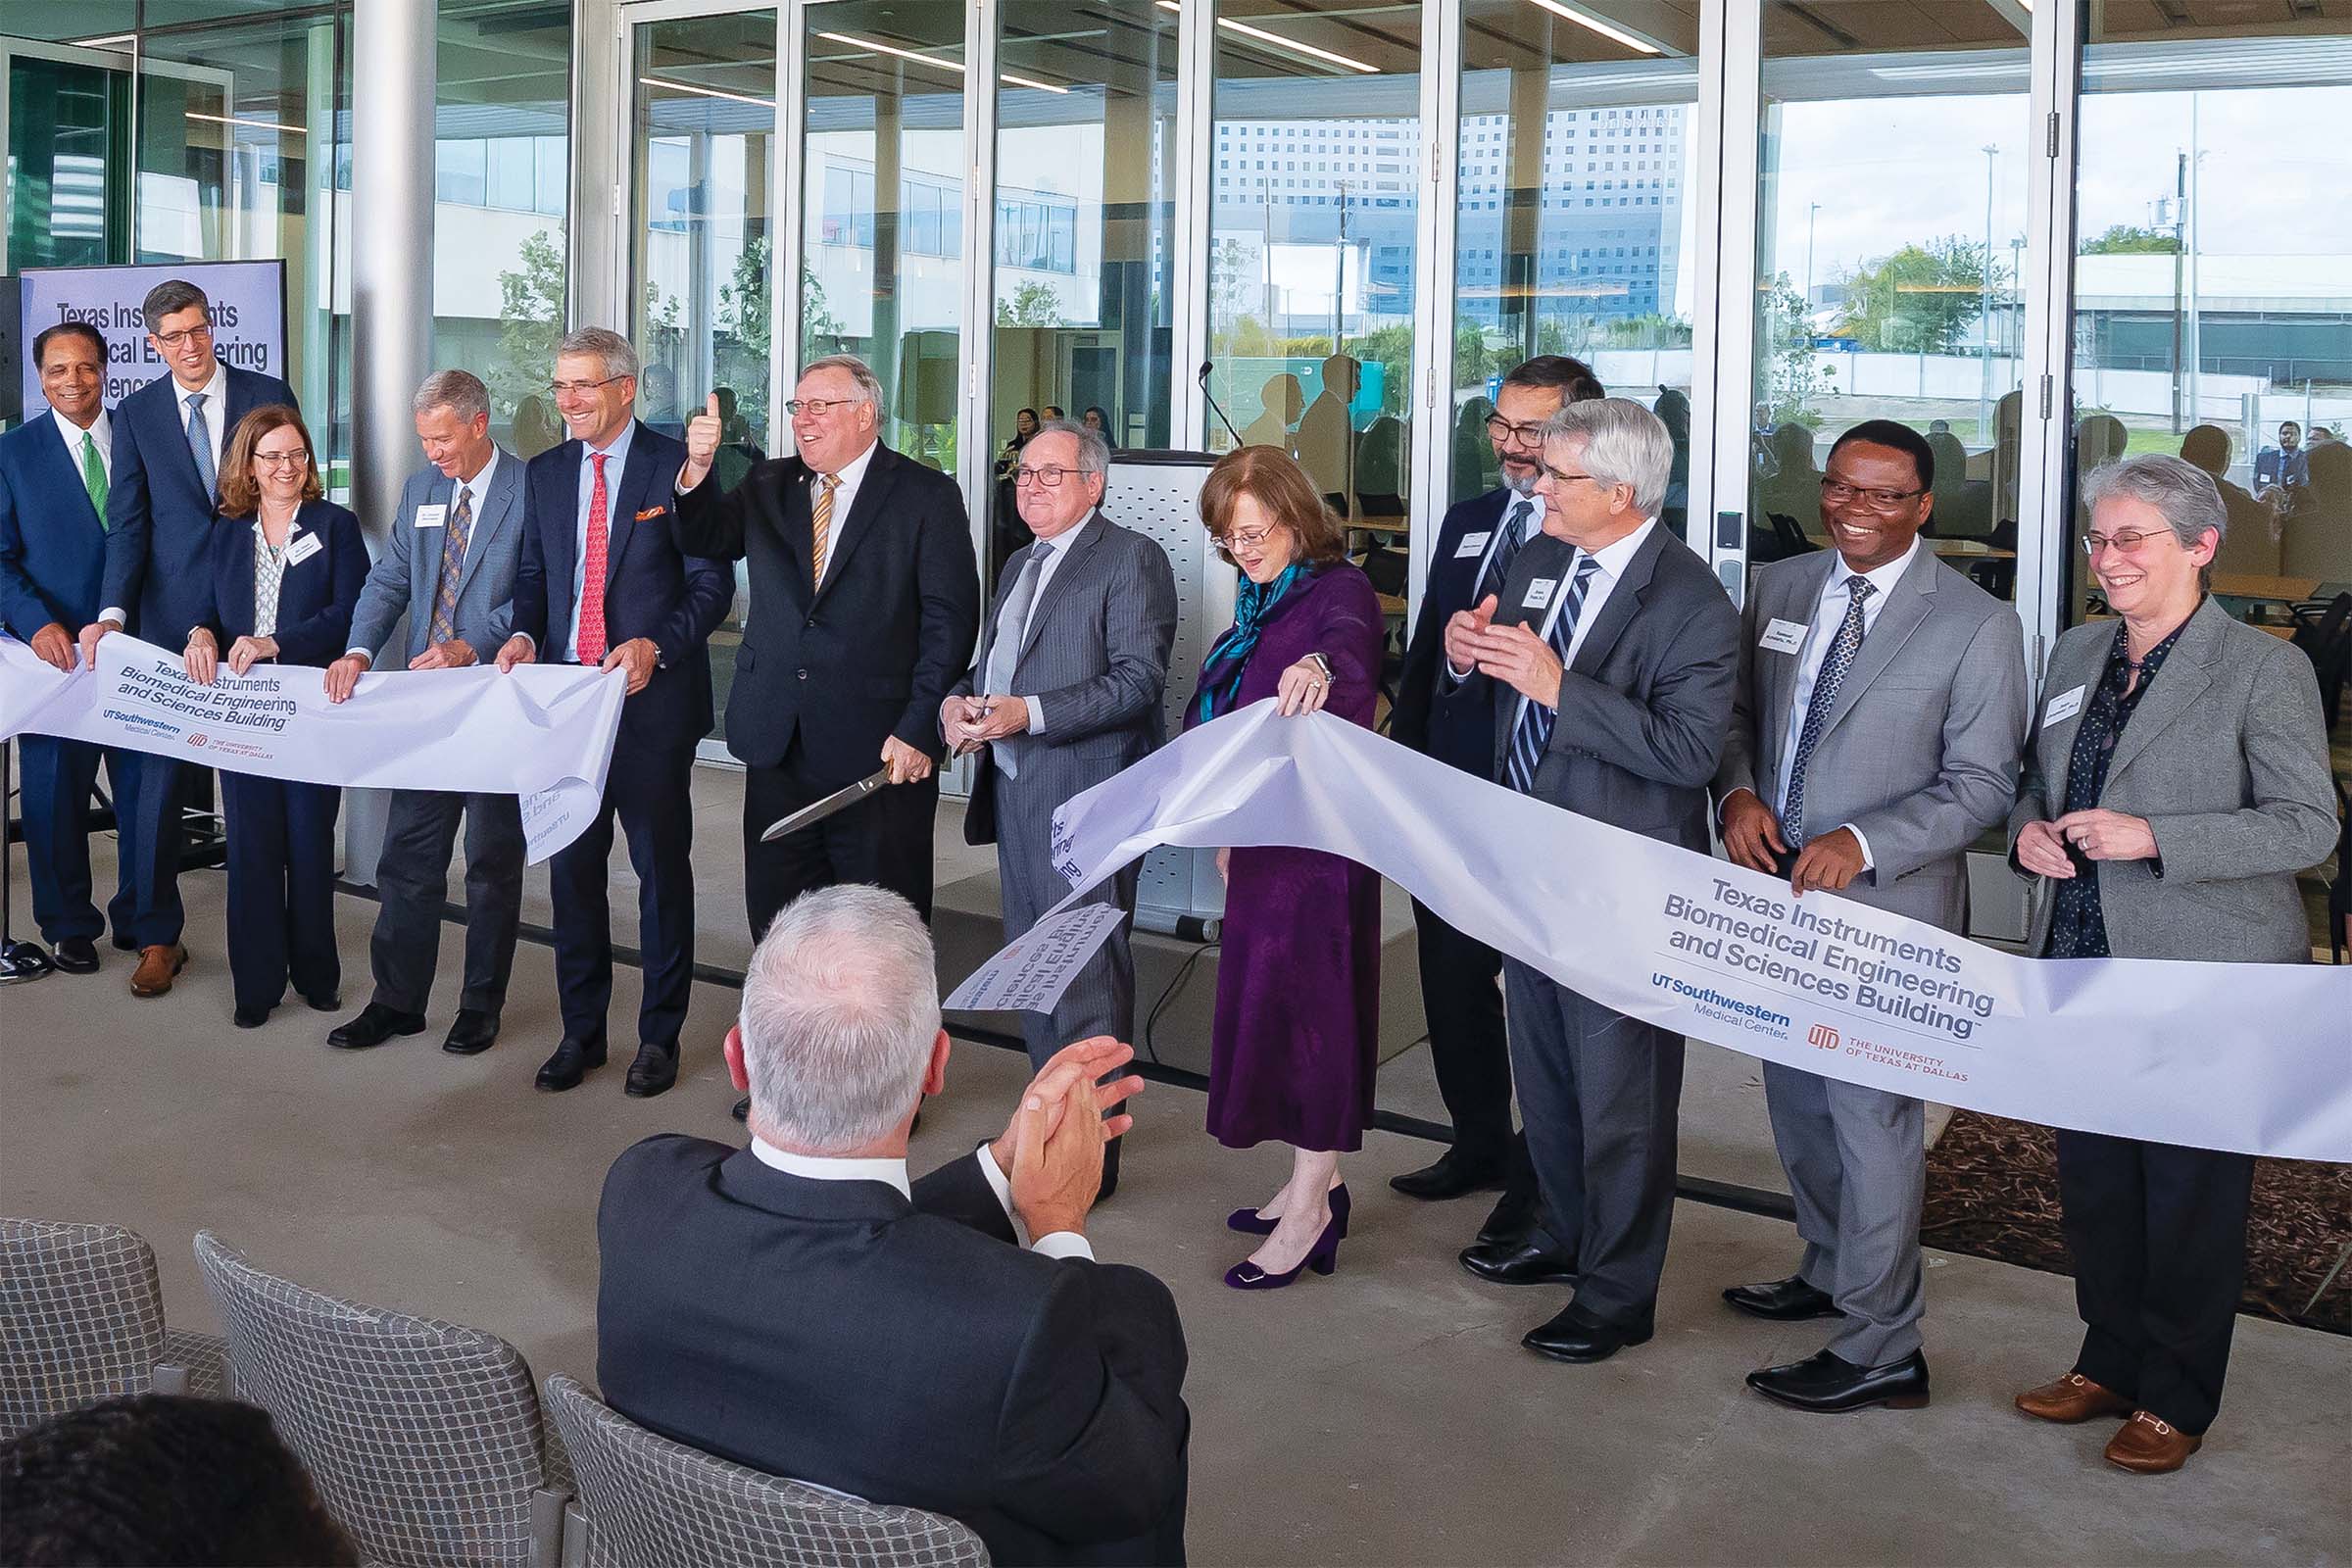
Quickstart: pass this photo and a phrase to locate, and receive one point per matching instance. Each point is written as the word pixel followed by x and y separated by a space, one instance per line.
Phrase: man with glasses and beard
pixel 1453 722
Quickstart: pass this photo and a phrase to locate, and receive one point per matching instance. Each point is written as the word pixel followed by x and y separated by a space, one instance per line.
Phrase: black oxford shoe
pixel 76 955
pixel 1519 1263
pixel 474 1032
pixel 654 1071
pixel 1575 1335
pixel 1788 1301
pixel 569 1065
pixel 372 1025
pixel 1829 1382
pixel 1448 1178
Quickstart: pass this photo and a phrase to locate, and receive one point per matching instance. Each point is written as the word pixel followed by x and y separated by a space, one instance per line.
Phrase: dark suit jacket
pixel 316 595
pixel 653 587
pixel 1454 722
pixel 52 546
pixel 831 1332
pixel 872 653
pixel 1646 705
pixel 1094 657
pixel 159 514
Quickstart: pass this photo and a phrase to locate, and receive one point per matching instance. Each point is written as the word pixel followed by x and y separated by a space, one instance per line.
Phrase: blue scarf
pixel 1221 671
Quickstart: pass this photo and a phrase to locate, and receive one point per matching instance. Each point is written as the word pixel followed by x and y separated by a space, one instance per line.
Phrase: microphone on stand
pixel 1215 406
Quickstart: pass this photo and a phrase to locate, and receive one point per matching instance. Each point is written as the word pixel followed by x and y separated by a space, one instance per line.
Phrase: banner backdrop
pixel 543 732
pixel 2252 1057
pixel 248 314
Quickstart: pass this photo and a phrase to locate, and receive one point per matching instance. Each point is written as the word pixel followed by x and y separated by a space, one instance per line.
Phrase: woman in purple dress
pixel 1299 977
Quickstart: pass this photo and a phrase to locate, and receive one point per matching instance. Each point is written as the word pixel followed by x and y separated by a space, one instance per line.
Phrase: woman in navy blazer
pixel 286 569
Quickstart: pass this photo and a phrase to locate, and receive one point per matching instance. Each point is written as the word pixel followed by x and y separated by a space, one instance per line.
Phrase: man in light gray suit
pixel 1068 690
pixel 448 565
pixel 1882 713
pixel 1617 652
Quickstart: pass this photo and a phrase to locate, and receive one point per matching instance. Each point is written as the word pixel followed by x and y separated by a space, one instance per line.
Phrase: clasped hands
pixel 1051 1149
pixel 971 723
pixel 2101 835
pixel 1751 837
pixel 1513 654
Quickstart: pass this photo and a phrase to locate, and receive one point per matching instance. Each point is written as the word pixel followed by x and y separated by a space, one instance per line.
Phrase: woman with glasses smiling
pixel 287 566
pixel 1297 1032
pixel 2177 782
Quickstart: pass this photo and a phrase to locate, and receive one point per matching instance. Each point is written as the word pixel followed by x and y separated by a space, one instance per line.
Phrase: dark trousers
pixel 647 793
pixel 281 888
pixel 411 878
pixel 59 779
pixel 884 839
pixel 1468 1044
pixel 148 836
pixel 2159 1239
pixel 1598 1092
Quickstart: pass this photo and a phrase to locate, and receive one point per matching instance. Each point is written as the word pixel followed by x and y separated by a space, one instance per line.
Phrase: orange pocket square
pixel 651 512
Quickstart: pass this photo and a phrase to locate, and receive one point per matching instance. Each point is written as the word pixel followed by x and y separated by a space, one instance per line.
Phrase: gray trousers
pixel 411 878
pixel 1858 1170
pixel 1101 999
pixel 1598 1094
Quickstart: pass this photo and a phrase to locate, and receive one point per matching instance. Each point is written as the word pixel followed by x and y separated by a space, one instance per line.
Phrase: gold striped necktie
pixel 820 529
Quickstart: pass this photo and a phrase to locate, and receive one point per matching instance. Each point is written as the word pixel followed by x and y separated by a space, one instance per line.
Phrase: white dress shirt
pixel 477 487
pixel 216 414
pixel 102 436
pixel 1609 566
pixel 845 496
pixel 617 456
pixel 1056 551
pixel 1829 614
pixel 1529 526
pixel 893 1173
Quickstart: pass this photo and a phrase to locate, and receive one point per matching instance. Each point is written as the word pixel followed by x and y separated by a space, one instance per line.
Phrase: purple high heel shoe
pixel 1323 1257
pixel 1248 1222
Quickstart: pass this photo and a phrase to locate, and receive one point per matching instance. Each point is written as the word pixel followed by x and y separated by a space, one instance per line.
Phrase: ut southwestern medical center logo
pixel 1739 1013
pixel 1822 1035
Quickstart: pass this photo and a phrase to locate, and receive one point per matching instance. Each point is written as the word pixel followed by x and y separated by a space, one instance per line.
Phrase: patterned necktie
pixel 93 476
pixel 820 529
pixel 1839 659
pixel 1533 731
pixel 1006 652
pixel 592 580
pixel 200 443
pixel 1506 550
pixel 452 563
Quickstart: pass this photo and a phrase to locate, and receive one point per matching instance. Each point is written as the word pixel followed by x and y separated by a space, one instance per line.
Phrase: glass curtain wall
pixel 2213 280
pixel 882 208
pixel 1578 161
pixel 1890 235
pixel 1085 221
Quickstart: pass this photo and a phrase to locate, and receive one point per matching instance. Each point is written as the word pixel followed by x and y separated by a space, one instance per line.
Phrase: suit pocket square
pixel 651 512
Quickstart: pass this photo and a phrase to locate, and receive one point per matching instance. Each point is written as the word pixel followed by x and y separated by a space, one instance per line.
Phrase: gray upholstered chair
pixel 655 1504
pixel 81 1319
pixel 424 1438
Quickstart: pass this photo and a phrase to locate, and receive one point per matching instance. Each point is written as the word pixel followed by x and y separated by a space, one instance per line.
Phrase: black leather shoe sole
pixel 354 1036
pixel 650 1078
pixel 1520 1265
pixel 468 1041
pixel 1442 1181
pixel 1901 1386
pixel 1781 1307
pixel 565 1068
pixel 1581 1346
pixel 74 955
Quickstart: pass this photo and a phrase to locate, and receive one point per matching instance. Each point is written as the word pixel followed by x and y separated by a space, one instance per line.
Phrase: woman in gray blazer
pixel 2177 782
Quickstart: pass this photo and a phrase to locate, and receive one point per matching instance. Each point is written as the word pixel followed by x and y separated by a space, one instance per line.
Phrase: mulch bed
pixel 1992 1192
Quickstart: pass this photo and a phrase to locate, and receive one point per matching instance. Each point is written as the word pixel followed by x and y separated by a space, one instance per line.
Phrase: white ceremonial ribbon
pixel 542 732
pixel 2251 1057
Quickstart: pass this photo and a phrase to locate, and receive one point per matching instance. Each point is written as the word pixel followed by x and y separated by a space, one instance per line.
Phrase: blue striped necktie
pixel 1833 666
pixel 1506 550
pixel 200 443
pixel 1532 733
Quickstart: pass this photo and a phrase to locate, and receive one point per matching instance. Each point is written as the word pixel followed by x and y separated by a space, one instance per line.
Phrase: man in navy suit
pixel 1453 722
pixel 160 504
pixel 53 474
pixel 603 582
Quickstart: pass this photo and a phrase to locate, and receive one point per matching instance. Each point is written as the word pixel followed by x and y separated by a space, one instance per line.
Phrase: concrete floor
pixel 1385 1415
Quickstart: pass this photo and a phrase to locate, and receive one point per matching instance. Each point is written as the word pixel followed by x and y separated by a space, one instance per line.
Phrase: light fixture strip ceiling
pixel 1278 41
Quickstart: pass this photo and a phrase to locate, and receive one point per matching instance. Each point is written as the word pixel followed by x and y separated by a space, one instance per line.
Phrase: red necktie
pixel 592 580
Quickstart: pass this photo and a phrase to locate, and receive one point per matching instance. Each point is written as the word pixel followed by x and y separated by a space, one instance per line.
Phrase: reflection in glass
pixel 1574 230
pixel 1890 237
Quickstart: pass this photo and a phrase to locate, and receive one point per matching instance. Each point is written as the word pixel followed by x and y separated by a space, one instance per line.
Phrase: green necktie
pixel 93 476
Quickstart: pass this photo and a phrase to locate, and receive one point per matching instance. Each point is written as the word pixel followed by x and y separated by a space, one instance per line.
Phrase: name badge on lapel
pixel 2066 704
pixel 302 550
pixel 431 517
pixel 1539 593
pixel 1472 543
pixel 1782 637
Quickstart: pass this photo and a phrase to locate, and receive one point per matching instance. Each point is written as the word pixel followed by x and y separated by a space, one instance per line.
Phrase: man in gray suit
pixel 1616 652
pixel 1881 715
pixel 1068 691
pixel 448 565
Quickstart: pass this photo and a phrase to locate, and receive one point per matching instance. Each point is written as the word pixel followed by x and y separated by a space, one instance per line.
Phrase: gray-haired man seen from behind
pixel 448 563
pixel 1067 691
pixel 801 1307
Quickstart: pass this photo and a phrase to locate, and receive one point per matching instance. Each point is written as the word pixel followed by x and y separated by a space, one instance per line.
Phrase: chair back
pixel 423 1437
pixel 652 1502
pixel 82 1318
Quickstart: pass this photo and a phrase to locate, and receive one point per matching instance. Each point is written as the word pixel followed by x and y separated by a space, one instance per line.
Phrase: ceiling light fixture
pixel 1280 42
pixel 706 92
pixel 956 66
pixel 1585 20
pixel 253 124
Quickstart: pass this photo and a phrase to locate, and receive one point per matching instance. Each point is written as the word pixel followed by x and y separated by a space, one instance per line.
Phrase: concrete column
pixel 392 92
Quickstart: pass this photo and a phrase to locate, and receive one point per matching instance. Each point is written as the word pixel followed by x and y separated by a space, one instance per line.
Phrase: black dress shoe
pixel 654 1071
pixel 1575 1335
pixel 1829 1382
pixel 743 1108
pixel 1449 1177
pixel 1788 1301
pixel 474 1033
pixel 331 1001
pixel 372 1025
pixel 1510 1219
pixel 76 955
pixel 569 1065
pixel 1519 1263
pixel 126 944
pixel 249 1017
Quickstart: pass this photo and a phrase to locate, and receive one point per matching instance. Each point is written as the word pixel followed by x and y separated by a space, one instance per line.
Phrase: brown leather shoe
pixel 158 965
pixel 2071 1399
pixel 2148 1446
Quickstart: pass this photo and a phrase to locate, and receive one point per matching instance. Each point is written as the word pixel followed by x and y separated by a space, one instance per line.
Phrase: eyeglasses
pixel 1561 477
pixel 202 331
pixel 817 408
pixel 1230 542
pixel 581 388
pixel 2127 543
pixel 1050 475
pixel 1836 491
pixel 281 459
pixel 1502 430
